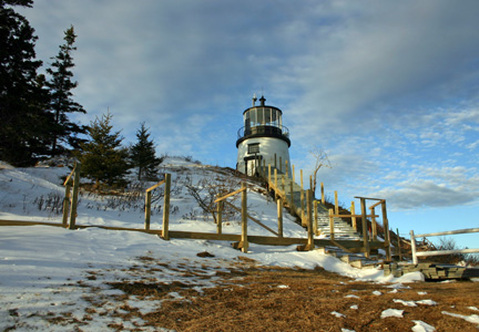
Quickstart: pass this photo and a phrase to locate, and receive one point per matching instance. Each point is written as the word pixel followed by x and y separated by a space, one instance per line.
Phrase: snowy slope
pixel 46 272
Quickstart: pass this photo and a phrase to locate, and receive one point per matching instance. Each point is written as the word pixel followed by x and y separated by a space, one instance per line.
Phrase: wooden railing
pixel 282 185
pixel 416 254
pixel 70 201
pixel 166 203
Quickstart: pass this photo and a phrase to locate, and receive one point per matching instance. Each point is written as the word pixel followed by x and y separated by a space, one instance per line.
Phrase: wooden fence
pixel 305 211
pixel 416 254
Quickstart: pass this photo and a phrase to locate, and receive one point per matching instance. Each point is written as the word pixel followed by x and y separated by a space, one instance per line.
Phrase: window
pixel 253 148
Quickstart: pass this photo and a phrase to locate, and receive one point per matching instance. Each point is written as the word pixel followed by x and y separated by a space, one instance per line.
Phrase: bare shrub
pixel 53 203
pixel 207 190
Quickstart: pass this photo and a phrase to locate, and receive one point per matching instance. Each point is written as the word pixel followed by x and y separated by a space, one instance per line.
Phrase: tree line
pixel 36 109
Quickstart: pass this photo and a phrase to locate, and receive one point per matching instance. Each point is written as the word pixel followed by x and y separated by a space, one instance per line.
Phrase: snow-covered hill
pixel 46 272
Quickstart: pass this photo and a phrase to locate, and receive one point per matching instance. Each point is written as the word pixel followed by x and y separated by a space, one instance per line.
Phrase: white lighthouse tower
pixel 263 140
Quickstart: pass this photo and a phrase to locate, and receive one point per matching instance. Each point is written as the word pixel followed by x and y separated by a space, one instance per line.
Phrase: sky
pixel 388 89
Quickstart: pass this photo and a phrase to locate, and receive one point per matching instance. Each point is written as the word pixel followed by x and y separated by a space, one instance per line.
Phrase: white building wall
pixel 268 147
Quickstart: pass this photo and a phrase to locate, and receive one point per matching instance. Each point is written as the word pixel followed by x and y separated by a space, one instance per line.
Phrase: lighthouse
pixel 263 140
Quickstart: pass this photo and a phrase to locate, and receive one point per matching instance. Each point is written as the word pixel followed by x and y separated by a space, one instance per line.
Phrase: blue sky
pixel 389 89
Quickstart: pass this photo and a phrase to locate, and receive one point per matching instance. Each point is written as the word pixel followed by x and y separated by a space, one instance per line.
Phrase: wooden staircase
pixel 342 229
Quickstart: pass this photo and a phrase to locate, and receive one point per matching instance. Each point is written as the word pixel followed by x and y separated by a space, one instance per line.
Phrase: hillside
pixel 95 279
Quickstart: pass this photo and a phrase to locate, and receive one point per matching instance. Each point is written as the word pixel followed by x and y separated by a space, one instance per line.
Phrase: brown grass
pixel 275 299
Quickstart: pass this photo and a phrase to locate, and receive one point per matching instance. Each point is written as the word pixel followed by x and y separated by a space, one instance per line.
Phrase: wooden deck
pixel 432 271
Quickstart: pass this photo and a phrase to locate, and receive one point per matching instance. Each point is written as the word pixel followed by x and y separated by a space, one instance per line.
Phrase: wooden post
pixel 399 245
pixel 66 205
pixel 291 192
pixel 147 209
pixel 364 222
pixel 264 168
pixel 311 185
pixel 353 219
pixel 301 197
pixel 374 225
pixel 309 200
pixel 283 185
pixel 315 223
pixel 244 219
pixel 219 217
pixel 275 161
pixel 269 174
pixel 286 171
pixel 281 164
pixel 275 179
pixel 387 236
pixel 293 174
pixel 76 188
pixel 166 208
pixel 323 199
pixel 280 216
pixel 331 224
pixel 413 247
pixel 336 204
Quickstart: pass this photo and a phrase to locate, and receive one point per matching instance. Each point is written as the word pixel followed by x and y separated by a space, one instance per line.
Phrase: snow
pixel 46 271
pixel 392 313
pixel 471 318
pixel 405 303
pixel 422 327
pixel 337 314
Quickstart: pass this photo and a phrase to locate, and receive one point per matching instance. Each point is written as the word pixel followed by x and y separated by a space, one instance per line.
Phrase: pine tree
pixel 24 121
pixel 61 86
pixel 103 158
pixel 143 154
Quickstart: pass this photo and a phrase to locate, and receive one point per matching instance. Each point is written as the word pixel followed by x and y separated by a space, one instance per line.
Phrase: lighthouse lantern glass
pixel 262 116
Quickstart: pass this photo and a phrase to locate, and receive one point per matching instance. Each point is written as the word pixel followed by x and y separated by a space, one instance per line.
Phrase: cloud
pixel 388 89
pixel 426 193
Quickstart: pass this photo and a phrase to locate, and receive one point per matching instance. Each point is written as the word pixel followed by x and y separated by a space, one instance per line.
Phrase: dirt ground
pixel 274 299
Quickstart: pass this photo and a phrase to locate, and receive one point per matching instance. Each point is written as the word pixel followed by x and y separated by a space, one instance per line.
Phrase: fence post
pixel 292 195
pixel 219 217
pixel 353 218
pixel 244 219
pixel 286 171
pixel 309 200
pixel 74 205
pixel 147 210
pixel 280 216
pixel 336 204
pixel 364 223
pixel 323 199
pixel 413 247
pixel 293 173
pixel 315 224
pixel 276 180
pixel 166 208
pixel 374 225
pixel 66 205
pixel 399 245
pixel 269 174
pixel 301 197
pixel 387 235
pixel 331 224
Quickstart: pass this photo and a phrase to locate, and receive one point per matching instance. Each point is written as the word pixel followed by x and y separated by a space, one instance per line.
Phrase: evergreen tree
pixel 103 159
pixel 24 121
pixel 61 86
pixel 143 154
